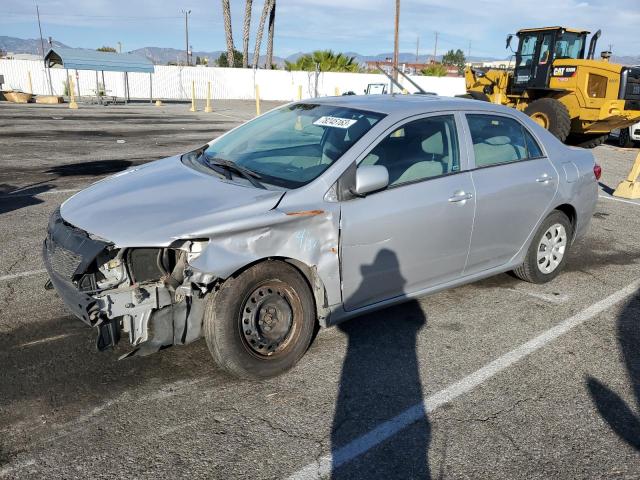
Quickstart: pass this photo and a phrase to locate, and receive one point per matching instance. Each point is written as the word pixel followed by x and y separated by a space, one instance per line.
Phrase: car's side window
pixel 497 139
pixel 533 149
pixel 418 150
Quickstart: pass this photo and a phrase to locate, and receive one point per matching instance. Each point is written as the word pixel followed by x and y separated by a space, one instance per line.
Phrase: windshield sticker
pixel 335 122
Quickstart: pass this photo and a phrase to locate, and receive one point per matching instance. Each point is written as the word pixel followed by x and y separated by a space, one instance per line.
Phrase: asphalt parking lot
pixel 494 380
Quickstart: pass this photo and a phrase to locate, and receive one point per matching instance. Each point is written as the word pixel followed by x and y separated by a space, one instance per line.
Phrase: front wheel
pixel 547 253
pixel 624 139
pixel 551 114
pixel 260 323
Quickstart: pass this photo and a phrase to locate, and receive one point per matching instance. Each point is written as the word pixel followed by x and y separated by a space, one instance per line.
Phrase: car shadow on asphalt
pixel 12 198
pixel 623 418
pixel 380 379
pixel 31 385
pixel 97 167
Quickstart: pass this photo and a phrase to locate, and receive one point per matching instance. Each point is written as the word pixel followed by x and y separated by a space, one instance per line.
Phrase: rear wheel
pixel 624 139
pixel 587 141
pixel 260 323
pixel 551 114
pixel 548 251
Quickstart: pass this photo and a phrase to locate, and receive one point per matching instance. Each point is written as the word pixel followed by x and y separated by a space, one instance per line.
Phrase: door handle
pixel 460 196
pixel 544 179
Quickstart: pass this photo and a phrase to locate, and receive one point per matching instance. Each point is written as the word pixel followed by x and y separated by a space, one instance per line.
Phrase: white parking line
pixel 29 273
pixel 46 340
pixel 607 197
pixel 357 447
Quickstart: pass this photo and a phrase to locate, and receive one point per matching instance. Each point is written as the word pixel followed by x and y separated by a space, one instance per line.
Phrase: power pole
pixel 435 49
pixel 186 33
pixel 40 28
pixel 395 44
pixel 417 49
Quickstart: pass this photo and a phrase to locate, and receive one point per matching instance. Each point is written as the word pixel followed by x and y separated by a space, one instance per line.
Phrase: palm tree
pixel 263 18
pixel 272 21
pixel 245 33
pixel 226 13
pixel 326 61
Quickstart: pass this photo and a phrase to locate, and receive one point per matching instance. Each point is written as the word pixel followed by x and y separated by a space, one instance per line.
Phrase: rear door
pixel 515 183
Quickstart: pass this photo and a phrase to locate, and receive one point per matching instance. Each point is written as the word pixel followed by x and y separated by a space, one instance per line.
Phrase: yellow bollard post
pixel 630 188
pixel 159 103
pixel 337 92
pixel 193 96
pixel 299 92
pixel 257 101
pixel 29 82
pixel 72 96
pixel 208 108
pixel 405 91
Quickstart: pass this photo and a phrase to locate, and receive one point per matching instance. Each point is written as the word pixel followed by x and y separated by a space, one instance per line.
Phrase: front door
pixel 515 184
pixel 416 232
pixel 543 61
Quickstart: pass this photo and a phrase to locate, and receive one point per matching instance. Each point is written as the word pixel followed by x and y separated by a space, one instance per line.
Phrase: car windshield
pixel 292 145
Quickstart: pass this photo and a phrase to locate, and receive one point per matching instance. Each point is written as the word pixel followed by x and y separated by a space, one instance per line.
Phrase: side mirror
pixel 509 38
pixel 370 178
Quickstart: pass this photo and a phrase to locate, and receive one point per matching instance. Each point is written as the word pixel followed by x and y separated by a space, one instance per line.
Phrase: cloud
pixel 365 26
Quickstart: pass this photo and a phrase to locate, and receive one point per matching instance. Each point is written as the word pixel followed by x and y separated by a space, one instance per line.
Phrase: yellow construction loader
pixel 557 82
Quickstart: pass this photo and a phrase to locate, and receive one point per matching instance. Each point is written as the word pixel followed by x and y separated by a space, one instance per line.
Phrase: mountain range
pixel 162 56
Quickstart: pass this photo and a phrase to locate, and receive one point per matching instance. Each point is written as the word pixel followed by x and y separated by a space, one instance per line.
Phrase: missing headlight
pixel 149 264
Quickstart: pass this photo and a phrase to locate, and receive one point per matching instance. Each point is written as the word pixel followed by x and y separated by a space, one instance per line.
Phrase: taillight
pixel 597 171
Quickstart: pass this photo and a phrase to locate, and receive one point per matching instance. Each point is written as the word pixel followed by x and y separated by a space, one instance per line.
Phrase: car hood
pixel 162 201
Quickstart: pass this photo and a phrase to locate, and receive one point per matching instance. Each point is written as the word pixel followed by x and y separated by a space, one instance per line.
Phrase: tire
pixel 483 97
pixel 533 272
pixel 260 323
pixel 552 115
pixel 624 139
pixel 587 141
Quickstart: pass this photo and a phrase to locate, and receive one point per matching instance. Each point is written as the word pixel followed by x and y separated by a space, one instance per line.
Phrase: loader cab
pixel 537 50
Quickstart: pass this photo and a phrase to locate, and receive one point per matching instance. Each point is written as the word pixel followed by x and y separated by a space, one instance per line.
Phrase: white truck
pixel 627 137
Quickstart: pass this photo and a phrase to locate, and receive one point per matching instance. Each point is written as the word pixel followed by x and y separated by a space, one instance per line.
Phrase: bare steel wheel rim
pixel 269 319
pixel 541 119
pixel 551 248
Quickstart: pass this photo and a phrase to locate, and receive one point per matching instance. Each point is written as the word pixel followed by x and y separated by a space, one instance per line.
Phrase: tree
pixel 223 59
pixel 456 59
pixel 266 9
pixel 226 14
pixel 245 33
pixel 106 49
pixel 326 61
pixel 272 21
pixel 435 70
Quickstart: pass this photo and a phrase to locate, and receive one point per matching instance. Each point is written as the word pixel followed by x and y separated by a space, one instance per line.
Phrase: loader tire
pixel 552 115
pixel 587 141
pixel 483 97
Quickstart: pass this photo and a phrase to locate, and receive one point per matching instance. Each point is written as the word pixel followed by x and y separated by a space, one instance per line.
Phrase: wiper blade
pixel 244 172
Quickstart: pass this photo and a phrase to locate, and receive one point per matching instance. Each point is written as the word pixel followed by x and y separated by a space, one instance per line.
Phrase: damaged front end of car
pixel 148 294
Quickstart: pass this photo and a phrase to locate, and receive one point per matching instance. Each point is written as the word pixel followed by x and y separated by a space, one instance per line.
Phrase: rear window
pixel 498 139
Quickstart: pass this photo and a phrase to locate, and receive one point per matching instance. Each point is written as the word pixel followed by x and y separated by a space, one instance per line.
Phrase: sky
pixel 362 26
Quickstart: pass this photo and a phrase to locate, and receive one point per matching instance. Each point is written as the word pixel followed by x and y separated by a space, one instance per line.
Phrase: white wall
pixel 171 82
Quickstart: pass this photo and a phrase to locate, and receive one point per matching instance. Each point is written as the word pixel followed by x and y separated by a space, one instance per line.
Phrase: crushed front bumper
pixel 67 252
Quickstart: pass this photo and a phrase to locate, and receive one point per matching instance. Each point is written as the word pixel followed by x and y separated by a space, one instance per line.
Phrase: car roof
pixel 406 105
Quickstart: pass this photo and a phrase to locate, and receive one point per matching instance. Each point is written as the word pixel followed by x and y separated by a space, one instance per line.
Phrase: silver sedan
pixel 313 213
